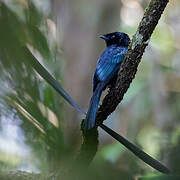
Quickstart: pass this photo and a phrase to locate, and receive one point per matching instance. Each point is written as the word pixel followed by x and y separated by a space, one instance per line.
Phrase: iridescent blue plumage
pixel 106 71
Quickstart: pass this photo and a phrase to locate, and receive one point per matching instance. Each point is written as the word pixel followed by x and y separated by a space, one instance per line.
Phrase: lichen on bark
pixel 129 66
pixel 136 49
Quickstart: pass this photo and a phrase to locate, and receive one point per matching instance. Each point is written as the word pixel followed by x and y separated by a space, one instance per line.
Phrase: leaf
pixel 50 79
pixel 39 41
pixel 159 177
pixel 137 151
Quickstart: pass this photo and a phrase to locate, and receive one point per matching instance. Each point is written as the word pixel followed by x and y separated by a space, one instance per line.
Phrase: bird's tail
pixel 93 106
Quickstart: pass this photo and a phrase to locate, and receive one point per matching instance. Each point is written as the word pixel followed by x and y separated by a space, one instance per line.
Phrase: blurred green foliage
pixel 159 177
pixel 149 114
pixel 23 92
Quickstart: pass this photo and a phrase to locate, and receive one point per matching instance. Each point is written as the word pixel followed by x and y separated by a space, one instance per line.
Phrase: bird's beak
pixel 103 37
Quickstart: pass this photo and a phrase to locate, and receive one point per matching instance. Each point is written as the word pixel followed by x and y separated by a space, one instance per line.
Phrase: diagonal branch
pixel 129 66
pixel 135 51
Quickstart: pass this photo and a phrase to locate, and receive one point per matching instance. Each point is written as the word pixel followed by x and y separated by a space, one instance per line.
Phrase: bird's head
pixel 116 38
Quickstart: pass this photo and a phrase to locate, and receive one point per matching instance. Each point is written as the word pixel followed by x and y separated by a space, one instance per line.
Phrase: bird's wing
pixel 95 81
pixel 109 62
pixel 119 55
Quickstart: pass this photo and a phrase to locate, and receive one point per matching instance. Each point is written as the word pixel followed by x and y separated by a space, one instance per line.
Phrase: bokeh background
pixel 39 131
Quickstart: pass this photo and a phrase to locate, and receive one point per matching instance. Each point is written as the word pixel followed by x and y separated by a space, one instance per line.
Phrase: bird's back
pixel 109 64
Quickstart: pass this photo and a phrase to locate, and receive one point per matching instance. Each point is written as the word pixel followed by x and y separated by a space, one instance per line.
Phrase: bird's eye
pixel 113 37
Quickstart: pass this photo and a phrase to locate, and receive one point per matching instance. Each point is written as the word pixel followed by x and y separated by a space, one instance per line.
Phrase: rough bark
pixel 136 49
pixel 127 73
pixel 129 66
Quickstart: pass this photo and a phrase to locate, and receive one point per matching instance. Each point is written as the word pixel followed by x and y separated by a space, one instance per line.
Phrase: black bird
pixel 106 70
